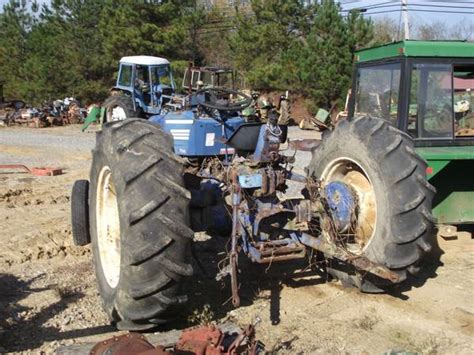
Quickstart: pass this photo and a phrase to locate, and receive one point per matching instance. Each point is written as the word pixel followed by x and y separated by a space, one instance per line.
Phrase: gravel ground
pixel 47 146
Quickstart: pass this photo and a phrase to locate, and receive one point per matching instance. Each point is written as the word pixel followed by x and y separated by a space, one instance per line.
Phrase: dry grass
pixel 204 316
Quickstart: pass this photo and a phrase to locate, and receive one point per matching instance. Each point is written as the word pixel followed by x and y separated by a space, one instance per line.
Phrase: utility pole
pixel 405 19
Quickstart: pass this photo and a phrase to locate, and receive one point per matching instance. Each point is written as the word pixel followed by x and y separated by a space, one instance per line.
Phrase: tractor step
pixel 276 250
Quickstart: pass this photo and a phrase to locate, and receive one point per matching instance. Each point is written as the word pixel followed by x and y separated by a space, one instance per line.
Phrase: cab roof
pixel 144 60
pixel 413 48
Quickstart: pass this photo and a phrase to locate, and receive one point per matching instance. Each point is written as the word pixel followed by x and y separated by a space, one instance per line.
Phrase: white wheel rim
pixel 118 114
pixel 108 227
pixel 350 172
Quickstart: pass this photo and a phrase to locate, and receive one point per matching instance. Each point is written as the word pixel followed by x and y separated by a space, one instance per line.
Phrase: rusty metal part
pixel 304 145
pixel 360 262
pixel 272 180
pixel 247 333
pixel 265 212
pixel 236 198
pixel 298 213
pixel 204 340
pixel 131 343
pixel 303 211
pixel 276 250
pixel 262 181
pixel 38 171
pixel 73 114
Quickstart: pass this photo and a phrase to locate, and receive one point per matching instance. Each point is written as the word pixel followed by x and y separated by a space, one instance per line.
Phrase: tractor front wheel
pixel 119 108
pixel 139 223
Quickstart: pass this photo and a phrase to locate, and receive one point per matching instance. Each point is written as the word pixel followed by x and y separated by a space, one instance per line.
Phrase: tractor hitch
pixel 362 263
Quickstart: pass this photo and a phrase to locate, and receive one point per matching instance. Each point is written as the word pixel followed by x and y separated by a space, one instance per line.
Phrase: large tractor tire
pixel 119 108
pixel 139 223
pixel 394 226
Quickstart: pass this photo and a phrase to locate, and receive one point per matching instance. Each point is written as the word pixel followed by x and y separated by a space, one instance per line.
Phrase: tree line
pixel 72 47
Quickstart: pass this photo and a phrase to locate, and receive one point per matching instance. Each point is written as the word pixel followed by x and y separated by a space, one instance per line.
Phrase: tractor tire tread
pixel 409 228
pixel 154 221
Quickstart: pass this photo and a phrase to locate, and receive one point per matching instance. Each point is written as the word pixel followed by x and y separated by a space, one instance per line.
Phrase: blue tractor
pixel 145 88
pixel 196 165
pixel 144 85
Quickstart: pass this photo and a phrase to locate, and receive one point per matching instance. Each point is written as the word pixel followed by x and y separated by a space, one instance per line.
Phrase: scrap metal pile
pixel 56 113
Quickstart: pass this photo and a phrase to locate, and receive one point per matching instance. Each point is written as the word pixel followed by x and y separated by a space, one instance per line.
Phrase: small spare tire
pixel 80 213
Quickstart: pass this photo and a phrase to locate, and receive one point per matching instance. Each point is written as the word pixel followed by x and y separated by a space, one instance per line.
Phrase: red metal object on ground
pixel 205 340
pixel 38 171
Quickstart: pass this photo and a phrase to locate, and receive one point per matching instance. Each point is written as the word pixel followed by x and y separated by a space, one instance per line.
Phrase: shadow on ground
pixel 19 322
pixel 266 281
pixel 255 282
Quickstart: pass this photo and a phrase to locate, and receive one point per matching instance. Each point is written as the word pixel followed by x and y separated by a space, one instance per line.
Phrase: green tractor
pixel 425 89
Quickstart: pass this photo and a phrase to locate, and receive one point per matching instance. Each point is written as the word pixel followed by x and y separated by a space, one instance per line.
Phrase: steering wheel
pixel 212 98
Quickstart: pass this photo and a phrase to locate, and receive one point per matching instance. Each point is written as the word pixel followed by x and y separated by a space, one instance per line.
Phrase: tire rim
pixel 350 172
pixel 108 227
pixel 118 114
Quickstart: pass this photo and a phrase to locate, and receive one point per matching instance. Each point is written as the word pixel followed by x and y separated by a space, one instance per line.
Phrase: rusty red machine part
pixel 204 340
pixel 38 171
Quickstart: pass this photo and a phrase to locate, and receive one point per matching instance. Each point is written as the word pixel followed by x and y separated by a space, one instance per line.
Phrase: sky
pixel 417 9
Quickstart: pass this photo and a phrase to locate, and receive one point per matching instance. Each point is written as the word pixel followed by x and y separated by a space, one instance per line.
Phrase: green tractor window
pixel 431 101
pixel 377 91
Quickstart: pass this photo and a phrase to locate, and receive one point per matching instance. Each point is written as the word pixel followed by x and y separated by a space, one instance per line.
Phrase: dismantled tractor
pixel 366 204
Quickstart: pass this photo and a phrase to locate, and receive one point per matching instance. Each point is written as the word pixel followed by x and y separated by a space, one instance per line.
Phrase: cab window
pixel 431 101
pixel 161 75
pixel 125 78
pixel 463 85
pixel 142 77
pixel 377 91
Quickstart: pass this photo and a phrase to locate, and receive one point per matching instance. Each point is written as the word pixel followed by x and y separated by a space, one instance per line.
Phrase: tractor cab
pixel 425 88
pixel 148 80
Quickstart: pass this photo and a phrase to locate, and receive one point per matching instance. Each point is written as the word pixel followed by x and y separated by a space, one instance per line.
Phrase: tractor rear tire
pixel 119 108
pixel 139 223
pixel 403 228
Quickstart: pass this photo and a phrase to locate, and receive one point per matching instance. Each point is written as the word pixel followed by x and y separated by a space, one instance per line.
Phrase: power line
pixel 451 1
pixel 421 10
pixel 409 5
pixel 443 6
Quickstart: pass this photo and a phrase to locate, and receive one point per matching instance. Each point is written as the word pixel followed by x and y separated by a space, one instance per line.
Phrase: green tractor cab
pixel 425 88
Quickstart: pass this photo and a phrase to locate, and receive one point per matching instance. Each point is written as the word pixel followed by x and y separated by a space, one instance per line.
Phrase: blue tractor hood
pixel 196 136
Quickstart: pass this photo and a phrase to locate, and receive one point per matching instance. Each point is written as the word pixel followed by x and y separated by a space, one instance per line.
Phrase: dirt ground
pixel 48 295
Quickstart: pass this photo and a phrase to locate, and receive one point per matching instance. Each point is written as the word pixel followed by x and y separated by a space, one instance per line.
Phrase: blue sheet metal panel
pixel 250 181
pixel 196 137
